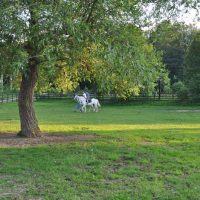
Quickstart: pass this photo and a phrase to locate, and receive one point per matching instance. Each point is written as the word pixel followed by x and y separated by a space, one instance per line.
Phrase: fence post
pixel 159 89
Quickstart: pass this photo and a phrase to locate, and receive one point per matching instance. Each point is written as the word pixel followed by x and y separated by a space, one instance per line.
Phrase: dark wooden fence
pixel 13 97
pixel 6 97
pixel 108 98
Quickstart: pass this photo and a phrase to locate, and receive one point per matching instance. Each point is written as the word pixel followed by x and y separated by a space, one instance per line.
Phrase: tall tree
pixel 192 68
pixel 36 32
pixel 120 70
pixel 172 39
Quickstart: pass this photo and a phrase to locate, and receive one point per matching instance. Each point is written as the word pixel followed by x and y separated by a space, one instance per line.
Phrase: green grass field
pixel 145 151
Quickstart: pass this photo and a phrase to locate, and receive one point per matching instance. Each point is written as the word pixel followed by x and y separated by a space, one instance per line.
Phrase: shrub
pixel 181 91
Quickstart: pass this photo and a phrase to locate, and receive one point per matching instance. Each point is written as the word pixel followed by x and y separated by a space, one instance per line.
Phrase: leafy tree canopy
pixel 61 33
pixel 192 67
pixel 173 39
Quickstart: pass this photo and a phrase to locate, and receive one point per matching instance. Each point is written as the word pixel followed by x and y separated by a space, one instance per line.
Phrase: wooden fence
pixel 8 97
pixel 109 98
pixel 13 97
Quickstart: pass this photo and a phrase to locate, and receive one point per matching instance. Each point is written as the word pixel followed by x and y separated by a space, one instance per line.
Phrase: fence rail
pixel 163 97
pixel 8 97
pixel 13 97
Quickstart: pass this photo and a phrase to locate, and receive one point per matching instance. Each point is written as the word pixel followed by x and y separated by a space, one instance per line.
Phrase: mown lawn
pixel 145 151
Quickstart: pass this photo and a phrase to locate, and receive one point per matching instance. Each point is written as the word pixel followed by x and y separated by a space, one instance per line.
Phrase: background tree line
pixel 179 44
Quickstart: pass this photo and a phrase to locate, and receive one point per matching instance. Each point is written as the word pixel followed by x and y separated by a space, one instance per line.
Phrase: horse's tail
pixel 98 104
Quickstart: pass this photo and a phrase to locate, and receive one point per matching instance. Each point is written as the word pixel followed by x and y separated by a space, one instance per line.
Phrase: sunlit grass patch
pixel 6 126
pixel 116 127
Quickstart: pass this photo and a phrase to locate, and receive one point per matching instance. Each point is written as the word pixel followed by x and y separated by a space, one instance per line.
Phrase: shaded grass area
pixel 145 152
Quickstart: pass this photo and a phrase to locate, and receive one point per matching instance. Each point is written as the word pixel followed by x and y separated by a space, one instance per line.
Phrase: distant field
pixel 145 151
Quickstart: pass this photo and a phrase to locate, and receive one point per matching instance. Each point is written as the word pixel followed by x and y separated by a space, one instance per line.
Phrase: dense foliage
pixel 61 33
pixel 112 68
pixel 192 68
pixel 173 39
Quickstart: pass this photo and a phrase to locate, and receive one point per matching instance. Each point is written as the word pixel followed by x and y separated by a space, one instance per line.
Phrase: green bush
pixel 181 91
pixel 177 86
pixel 183 94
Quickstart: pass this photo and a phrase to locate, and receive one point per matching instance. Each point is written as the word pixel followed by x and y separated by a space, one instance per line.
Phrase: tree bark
pixel 29 123
pixel 28 120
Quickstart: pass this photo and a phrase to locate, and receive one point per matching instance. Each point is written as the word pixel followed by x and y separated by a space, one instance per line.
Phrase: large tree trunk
pixel 29 123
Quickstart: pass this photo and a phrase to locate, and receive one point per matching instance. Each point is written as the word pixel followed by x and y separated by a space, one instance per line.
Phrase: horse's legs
pixel 91 107
pixel 96 108
pixel 84 108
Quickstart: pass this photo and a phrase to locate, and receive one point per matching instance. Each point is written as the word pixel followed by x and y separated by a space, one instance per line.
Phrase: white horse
pixel 94 104
pixel 82 102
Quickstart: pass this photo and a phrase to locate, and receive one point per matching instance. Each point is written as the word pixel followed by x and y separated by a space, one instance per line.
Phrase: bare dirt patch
pixel 12 140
